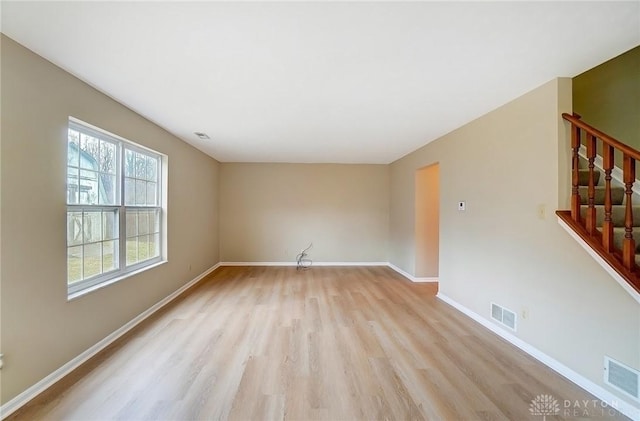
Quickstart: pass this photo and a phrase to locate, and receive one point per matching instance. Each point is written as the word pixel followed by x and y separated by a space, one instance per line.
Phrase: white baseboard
pixel 621 405
pixel 257 263
pixel 313 264
pixel 16 403
pixel 391 265
pixel 350 263
pixel 409 276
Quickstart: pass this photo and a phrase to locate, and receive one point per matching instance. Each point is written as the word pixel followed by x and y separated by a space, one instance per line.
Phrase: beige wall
pixel 270 212
pixel 506 165
pixel 608 97
pixel 427 200
pixel 40 329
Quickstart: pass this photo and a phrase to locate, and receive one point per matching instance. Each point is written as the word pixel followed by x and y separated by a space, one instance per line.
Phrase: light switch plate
pixel 462 205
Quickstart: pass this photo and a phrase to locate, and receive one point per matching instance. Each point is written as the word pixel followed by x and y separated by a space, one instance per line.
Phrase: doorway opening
pixel 427 223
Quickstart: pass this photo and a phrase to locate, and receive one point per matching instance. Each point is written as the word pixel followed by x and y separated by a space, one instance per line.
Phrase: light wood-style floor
pixel 327 343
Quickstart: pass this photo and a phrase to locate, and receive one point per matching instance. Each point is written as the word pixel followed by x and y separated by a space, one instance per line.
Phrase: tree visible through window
pixel 113 207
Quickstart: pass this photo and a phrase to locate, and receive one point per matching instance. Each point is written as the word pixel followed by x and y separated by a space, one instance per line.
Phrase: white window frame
pixel 121 271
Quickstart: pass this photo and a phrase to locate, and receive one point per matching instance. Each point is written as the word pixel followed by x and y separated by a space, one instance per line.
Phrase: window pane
pixel 141 166
pixel 107 157
pixel 89 152
pixel 73 187
pixel 107 189
pixel 143 222
pixel 88 187
pixel 141 192
pixel 74 228
pixel 132 250
pixel 110 225
pixel 73 148
pixel 152 169
pixel 109 260
pixel 92 259
pixel 143 247
pixel 151 194
pixel 92 225
pixel 154 221
pixel 129 191
pixel 74 264
pixel 129 163
pixel 132 223
pixel 154 245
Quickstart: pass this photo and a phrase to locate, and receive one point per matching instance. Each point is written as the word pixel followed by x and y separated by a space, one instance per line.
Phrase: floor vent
pixel 623 378
pixel 503 316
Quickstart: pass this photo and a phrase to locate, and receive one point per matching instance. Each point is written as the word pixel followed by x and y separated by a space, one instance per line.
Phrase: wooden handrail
pixel 625 149
pixel 622 257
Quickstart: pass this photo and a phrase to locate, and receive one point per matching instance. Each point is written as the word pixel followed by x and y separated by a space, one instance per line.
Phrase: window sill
pixel 81 293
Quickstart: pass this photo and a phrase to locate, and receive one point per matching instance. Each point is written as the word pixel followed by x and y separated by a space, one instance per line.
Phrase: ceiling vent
pixel 503 316
pixel 621 377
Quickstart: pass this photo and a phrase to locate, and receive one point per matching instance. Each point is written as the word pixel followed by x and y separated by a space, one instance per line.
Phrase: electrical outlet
pixel 189 267
pixel 524 313
pixel 1 361
pixel 542 211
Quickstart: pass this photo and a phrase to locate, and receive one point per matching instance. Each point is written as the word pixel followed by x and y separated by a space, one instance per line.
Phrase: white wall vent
pixel 504 316
pixel 621 377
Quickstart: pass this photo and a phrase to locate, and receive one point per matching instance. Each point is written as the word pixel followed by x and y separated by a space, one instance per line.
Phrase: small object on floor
pixel 303 262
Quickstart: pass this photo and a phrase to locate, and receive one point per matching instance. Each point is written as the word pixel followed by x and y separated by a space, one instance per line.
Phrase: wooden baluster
pixel 591 192
pixel 607 226
pixel 629 245
pixel 575 167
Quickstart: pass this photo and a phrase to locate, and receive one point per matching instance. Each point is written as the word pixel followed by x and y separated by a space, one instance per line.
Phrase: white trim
pixel 257 263
pixel 614 401
pixel 294 264
pixel 102 132
pixel 350 263
pixel 33 391
pixel 409 276
pixel 387 264
pixel 82 292
pixel 615 275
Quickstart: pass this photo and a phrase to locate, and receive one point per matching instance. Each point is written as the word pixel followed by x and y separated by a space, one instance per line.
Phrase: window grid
pixel 91 169
pixel 86 233
pixel 107 235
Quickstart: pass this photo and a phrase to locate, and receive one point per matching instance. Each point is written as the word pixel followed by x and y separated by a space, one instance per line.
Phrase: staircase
pixel 602 211
pixel 618 209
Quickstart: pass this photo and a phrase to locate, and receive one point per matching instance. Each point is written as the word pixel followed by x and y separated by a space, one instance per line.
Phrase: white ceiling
pixel 319 82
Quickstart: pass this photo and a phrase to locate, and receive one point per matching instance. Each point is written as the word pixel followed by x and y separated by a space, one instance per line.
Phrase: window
pixel 113 207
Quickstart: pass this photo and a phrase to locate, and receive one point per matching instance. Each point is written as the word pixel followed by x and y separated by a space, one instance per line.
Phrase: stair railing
pixel 604 240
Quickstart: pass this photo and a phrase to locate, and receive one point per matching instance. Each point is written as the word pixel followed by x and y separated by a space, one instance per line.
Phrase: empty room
pixel 319 210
